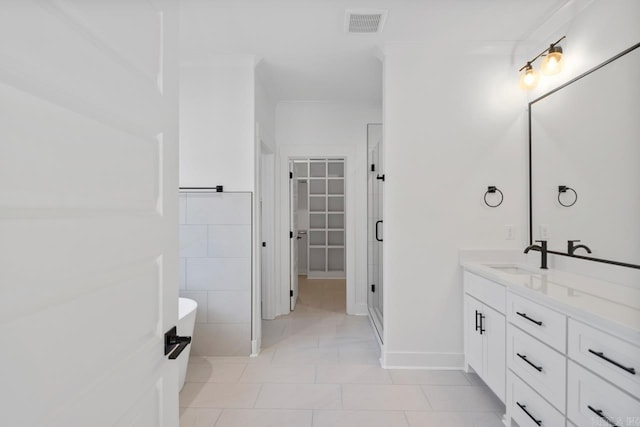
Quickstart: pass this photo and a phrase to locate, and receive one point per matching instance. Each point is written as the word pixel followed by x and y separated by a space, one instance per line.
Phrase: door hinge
pixel 290 175
pixel 291 234
pixel 373 167
pixel 291 293
pixel 373 288
pixel 264 244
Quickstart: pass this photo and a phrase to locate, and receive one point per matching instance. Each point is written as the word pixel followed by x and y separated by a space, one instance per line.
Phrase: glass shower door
pixel 375 194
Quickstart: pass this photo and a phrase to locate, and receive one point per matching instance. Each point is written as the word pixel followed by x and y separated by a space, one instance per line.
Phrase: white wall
pixel 217 123
pixel 264 230
pixel 449 133
pixel 218 146
pixel 322 127
pixel 265 110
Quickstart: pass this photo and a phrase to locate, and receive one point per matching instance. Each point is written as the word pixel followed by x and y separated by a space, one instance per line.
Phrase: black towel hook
pixel 491 190
pixel 564 189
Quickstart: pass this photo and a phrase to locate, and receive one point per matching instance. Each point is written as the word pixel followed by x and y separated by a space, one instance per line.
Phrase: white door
pixel 475 340
pixel 495 351
pixel 88 212
pixel 293 234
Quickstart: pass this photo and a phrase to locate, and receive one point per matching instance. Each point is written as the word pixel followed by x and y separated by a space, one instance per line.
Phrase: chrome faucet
pixel 571 248
pixel 542 247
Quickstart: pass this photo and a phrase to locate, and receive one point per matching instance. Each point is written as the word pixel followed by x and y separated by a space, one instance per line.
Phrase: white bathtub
pixel 186 321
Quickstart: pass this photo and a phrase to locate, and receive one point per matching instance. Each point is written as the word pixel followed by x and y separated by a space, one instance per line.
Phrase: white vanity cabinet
pixel 537 363
pixel 484 303
pixel 570 346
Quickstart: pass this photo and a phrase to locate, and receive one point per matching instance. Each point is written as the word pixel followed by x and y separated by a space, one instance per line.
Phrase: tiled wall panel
pixel 215 270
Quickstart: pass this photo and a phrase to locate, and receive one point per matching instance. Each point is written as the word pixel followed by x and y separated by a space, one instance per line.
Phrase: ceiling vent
pixel 364 21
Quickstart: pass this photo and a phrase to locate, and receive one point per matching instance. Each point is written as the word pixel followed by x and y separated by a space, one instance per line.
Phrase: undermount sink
pixel 510 269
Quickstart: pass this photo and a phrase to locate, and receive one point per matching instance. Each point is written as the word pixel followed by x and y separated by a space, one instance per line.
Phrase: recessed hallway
pixel 319 368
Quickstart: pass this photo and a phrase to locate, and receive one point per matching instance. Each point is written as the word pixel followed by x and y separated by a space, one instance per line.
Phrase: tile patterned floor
pixel 319 368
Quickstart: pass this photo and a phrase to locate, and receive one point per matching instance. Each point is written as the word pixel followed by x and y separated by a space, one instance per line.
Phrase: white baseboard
pixel 255 348
pixel 326 275
pixel 415 360
pixel 358 310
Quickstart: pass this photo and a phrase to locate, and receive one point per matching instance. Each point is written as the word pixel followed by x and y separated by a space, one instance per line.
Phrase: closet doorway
pixel 317 221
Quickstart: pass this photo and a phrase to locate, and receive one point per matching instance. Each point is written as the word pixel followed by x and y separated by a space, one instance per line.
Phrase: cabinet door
pixel 494 333
pixel 474 352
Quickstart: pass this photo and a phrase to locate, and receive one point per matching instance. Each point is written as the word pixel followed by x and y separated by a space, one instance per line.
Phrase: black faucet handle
pixel 573 241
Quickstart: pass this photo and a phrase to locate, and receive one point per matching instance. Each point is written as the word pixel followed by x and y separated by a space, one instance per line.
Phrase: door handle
pixel 377 235
pixel 174 344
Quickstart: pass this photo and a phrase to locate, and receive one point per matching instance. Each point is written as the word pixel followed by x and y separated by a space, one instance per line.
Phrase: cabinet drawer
pixel 490 293
pixel 592 401
pixel 540 366
pixel 547 325
pixel 606 355
pixel 525 405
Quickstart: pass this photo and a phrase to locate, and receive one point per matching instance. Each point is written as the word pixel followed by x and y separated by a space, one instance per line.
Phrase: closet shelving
pixel 326 204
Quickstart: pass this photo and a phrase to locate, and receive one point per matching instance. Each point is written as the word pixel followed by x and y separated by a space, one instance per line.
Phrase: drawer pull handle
pixel 599 413
pixel 477 313
pixel 524 408
pixel 482 329
pixel 538 368
pixel 601 355
pixel 537 322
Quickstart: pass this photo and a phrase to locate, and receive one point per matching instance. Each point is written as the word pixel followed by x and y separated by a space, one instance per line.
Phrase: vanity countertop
pixel 582 297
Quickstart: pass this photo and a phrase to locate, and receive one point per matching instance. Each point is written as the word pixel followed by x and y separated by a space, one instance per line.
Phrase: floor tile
pixel 199 417
pixel 384 397
pixel 466 419
pixel 279 374
pixel 359 357
pixel 265 418
pixel 352 374
pixel 354 326
pixel 473 378
pixel 423 376
pixel 462 398
pixel 295 341
pixel 318 368
pixel 359 419
pixel 212 372
pixel 305 356
pixel 299 396
pixel 347 343
pixel 213 395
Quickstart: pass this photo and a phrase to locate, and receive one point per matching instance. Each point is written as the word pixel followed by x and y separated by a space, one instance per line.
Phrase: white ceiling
pixel 306 55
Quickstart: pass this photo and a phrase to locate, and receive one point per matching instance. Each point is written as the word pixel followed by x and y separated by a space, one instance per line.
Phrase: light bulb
pixel 529 78
pixel 552 63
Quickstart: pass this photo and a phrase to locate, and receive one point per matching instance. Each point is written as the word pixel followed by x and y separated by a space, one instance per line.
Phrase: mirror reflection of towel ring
pixel 564 189
pixel 491 190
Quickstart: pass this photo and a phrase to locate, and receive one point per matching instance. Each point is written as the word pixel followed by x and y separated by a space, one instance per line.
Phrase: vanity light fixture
pixel 529 78
pixel 551 64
